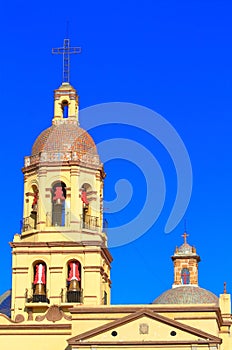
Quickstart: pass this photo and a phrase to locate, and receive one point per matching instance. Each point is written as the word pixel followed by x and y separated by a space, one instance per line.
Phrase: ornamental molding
pixel 54 314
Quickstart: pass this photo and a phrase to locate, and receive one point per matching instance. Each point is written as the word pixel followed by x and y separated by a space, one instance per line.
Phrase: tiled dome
pixel 186 295
pixel 64 137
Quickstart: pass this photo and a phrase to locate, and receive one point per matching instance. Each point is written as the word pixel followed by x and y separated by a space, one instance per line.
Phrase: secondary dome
pixel 187 295
pixel 5 303
pixel 65 137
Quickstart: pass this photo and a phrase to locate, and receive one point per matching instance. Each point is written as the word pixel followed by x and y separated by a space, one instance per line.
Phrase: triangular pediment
pixel 143 327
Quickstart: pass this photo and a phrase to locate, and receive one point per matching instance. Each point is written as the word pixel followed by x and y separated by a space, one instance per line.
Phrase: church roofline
pixel 141 313
pixel 165 308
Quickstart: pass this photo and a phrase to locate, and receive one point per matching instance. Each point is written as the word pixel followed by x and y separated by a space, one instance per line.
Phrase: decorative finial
pixel 225 291
pixel 66 51
pixel 185 235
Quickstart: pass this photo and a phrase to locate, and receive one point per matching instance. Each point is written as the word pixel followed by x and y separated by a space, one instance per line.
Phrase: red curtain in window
pixel 40 274
pixel 74 273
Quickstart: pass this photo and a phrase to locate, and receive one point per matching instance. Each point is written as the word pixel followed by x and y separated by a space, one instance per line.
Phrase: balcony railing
pixel 32 297
pixel 67 296
pixel 63 221
pixel 28 223
pixel 89 222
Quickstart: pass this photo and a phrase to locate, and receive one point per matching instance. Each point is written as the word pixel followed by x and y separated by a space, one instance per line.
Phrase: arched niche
pixel 86 191
pixel 39 284
pixel 74 281
pixel 65 108
pixel 58 203
pixel 34 204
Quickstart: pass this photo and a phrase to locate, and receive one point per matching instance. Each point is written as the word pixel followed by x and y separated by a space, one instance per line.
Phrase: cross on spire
pixel 185 235
pixel 225 291
pixel 66 51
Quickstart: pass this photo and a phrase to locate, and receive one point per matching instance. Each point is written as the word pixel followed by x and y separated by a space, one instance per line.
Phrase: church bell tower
pixel 60 257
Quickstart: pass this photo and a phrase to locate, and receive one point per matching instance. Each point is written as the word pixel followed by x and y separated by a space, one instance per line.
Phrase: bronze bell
pixel 34 211
pixel 39 289
pixel 74 286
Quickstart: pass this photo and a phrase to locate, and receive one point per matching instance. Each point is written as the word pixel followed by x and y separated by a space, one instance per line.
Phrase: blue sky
pixel 172 57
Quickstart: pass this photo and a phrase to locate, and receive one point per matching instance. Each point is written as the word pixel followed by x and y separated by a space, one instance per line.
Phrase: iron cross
pixel 185 235
pixel 66 51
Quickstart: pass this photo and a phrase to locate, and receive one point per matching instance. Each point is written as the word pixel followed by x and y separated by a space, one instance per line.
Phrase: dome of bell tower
pixel 65 140
pixel 64 137
pixel 65 134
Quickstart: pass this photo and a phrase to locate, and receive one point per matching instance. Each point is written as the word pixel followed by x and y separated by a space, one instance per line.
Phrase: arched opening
pixel 39 282
pixel 74 291
pixel 185 276
pixel 88 221
pixel 65 108
pixel 34 205
pixel 29 222
pixel 58 204
pixel 85 204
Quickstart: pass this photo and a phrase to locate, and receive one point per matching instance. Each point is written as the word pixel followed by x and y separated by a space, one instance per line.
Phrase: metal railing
pixel 28 224
pixel 67 296
pixel 90 222
pixel 31 297
pixel 63 221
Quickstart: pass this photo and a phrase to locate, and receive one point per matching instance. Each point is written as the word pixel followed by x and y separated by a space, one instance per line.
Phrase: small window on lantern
pixel 185 276
pixel 65 109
